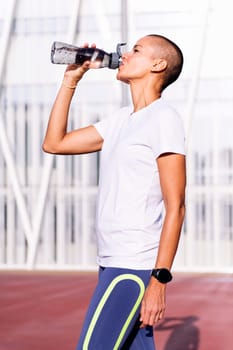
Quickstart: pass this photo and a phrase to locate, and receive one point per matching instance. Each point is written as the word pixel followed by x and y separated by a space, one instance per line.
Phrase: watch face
pixel 164 275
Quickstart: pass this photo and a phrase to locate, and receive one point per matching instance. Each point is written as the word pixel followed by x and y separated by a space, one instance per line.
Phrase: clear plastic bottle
pixel 62 53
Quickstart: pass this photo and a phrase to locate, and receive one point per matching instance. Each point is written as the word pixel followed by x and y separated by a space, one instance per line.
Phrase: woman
pixel 142 172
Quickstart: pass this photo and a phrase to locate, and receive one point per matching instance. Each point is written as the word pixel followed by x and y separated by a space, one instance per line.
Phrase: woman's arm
pixel 57 140
pixel 173 180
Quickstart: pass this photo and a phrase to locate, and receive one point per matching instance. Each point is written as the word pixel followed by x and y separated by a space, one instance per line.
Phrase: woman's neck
pixel 142 96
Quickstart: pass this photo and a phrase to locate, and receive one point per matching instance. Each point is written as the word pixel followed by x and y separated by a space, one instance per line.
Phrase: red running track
pixel 44 311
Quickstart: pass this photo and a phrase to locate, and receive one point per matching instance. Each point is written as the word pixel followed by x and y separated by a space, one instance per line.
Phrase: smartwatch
pixel 162 275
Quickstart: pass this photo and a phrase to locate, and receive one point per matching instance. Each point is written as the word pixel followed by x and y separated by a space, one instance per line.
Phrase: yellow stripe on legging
pixel 102 302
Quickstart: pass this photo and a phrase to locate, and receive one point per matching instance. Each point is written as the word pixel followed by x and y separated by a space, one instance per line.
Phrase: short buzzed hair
pixel 174 57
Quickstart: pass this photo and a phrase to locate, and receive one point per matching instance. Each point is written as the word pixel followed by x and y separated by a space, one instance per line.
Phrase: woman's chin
pixel 120 77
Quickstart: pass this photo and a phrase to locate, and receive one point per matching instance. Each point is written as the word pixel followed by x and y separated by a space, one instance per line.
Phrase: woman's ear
pixel 159 65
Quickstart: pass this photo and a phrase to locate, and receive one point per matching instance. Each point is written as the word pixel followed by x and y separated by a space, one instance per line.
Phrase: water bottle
pixel 62 53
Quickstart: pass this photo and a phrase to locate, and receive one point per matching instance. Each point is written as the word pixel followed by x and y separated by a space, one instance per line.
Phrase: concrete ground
pixel 44 311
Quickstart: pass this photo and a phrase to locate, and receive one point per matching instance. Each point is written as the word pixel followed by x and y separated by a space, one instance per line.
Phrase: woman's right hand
pixel 74 72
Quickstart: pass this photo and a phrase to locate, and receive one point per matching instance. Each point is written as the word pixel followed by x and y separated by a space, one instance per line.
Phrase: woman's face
pixel 138 63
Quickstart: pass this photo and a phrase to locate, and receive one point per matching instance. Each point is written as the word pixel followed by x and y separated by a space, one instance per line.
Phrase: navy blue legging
pixel 112 320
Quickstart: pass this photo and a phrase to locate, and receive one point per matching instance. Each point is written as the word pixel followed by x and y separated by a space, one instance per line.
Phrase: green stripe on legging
pixel 102 302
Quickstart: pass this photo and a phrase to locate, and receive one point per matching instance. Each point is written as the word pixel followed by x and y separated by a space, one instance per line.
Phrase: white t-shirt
pixel 130 203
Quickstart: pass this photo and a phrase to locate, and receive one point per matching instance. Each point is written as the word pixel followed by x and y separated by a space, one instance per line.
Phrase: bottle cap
pixel 115 57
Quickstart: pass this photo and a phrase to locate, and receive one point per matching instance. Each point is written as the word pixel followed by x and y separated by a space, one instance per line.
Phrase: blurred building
pixel 47 203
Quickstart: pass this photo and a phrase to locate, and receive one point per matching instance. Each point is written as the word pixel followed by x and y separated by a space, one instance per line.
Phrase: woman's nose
pixel 125 55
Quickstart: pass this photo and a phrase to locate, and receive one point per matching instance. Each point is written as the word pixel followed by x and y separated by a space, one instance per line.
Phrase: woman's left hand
pixel 153 303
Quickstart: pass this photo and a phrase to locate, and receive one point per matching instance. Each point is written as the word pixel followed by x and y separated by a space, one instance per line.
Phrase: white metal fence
pixel 66 230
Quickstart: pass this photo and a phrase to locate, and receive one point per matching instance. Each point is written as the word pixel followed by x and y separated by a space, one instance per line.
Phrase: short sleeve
pixel 102 127
pixel 167 134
